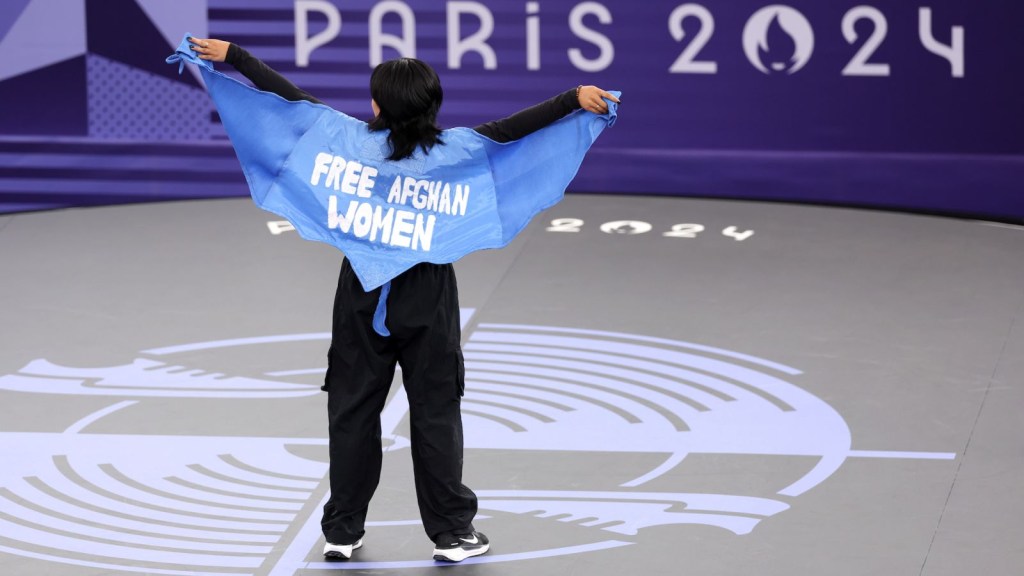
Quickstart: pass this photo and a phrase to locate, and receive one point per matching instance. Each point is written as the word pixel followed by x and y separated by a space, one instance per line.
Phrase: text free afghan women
pixel 396 227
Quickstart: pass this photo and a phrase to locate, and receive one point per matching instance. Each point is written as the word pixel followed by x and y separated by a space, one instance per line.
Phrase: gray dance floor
pixel 654 386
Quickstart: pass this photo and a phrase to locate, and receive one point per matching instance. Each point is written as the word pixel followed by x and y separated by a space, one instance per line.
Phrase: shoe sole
pixel 340 554
pixel 458 554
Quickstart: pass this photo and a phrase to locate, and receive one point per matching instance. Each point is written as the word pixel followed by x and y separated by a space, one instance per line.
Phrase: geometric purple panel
pixel 9 12
pixel 120 30
pixel 47 101
pixel 132 104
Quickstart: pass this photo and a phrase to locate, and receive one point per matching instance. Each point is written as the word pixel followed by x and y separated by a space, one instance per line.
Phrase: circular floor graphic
pixel 740 387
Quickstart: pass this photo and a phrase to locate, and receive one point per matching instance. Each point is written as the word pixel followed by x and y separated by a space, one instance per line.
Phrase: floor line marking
pixel 897 454
pixel 81 424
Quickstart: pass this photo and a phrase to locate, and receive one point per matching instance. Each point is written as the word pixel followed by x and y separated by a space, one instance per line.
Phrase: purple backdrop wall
pixel 888 104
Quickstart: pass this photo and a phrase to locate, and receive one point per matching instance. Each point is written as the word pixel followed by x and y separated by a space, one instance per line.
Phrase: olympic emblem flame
pixel 778 50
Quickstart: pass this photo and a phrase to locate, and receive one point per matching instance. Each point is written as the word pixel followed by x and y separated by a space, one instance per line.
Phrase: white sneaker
pixel 451 547
pixel 341 550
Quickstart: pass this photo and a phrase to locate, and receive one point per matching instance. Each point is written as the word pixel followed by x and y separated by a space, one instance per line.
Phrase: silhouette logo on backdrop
pixel 183 503
pixel 778 39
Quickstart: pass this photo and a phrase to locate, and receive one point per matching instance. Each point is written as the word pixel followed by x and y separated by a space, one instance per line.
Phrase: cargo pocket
pixel 327 375
pixel 461 373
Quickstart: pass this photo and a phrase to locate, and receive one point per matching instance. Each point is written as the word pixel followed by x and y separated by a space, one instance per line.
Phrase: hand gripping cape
pixel 328 174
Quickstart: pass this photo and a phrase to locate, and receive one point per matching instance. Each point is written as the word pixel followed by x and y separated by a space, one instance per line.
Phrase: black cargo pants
pixel 423 318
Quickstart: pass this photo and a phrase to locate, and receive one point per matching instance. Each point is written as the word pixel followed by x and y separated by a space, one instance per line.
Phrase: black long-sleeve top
pixel 507 129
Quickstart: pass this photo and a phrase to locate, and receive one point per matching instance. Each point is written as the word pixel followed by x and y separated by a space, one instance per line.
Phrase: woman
pixel 422 318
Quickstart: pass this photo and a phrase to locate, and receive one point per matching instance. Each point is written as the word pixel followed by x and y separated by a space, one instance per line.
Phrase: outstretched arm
pixel 540 115
pixel 262 76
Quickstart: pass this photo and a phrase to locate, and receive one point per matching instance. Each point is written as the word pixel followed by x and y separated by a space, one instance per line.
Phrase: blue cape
pixel 328 174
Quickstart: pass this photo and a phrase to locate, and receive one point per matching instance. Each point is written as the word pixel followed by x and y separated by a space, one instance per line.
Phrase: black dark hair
pixel 408 93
